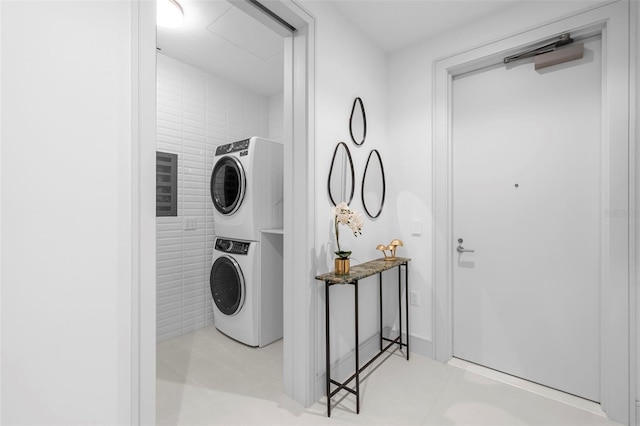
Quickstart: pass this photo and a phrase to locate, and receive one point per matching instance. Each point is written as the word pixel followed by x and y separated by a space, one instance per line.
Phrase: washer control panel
pixel 242 145
pixel 233 247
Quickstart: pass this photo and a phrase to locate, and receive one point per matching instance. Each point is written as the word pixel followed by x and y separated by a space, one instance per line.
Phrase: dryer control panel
pixel 230 246
pixel 233 147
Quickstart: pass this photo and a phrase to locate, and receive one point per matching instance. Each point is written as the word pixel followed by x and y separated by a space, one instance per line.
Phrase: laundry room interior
pixel 205 102
pixel 219 216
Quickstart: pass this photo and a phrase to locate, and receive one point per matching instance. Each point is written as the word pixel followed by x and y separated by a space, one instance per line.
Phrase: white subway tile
pixel 168 278
pixel 167 263
pixel 169 292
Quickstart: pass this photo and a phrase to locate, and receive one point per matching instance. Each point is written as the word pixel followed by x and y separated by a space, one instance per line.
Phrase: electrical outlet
pixel 190 223
pixel 414 297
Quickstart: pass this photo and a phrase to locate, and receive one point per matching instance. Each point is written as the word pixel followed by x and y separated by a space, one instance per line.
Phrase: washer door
pixel 227 285
pixel 228 184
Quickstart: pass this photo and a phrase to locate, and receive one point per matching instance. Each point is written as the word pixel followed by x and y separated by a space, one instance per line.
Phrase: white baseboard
pixel 547 392
pixel 345 366
pixel 417 344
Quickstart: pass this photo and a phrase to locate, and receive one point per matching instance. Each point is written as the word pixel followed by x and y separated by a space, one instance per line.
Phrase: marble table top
pixel 362 270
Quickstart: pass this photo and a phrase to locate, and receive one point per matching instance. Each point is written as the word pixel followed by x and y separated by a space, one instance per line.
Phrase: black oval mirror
pixel 358 122
pixel 374 186
pixel 341 182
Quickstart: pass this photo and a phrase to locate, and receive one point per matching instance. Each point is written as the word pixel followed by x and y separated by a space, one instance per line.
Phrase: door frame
pixel 618 386
pixel 299 195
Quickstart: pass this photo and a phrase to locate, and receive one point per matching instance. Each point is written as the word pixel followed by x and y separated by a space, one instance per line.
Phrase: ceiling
pixel 221 39
pixel 395 24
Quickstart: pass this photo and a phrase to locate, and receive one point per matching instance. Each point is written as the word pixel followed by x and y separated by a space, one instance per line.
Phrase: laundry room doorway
pixel 529 253
pixel 297 119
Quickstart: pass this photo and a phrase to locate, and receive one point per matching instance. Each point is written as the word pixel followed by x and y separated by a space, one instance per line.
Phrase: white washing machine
pixel 247 188
pixel 244 308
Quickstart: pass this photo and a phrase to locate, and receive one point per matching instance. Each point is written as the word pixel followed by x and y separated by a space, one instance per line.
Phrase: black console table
pixel 357 273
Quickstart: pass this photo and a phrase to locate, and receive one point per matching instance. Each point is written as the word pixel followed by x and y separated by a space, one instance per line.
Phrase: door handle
pixel 461 249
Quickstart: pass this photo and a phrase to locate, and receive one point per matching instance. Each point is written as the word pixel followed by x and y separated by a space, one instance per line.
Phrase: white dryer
pixel 247 188
pixel 243 308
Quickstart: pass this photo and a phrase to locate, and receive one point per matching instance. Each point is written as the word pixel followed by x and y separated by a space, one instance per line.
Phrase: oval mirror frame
pixel 384 184
pixel 331 170
pixel 358 101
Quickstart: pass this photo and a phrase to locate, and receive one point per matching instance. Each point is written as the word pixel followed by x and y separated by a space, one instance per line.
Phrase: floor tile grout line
pixel 447 384
pixel 452 393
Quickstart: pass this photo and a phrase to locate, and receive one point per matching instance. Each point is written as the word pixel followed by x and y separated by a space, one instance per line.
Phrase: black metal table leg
pixel 328 352
pixel 357 352
pixel 400 307
pixel 406 295
pixel 380 286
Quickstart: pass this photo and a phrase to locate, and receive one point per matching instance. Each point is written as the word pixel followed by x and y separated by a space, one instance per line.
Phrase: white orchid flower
pixel 351 218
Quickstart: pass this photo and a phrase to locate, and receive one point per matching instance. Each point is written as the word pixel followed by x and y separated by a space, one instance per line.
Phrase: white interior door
pixel 526 197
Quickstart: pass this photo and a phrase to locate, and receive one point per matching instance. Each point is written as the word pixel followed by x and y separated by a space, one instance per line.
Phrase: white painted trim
pixel 422 346
pixel 135 261
pixel 418 344
pixel 1 216
pixel 441 202
pixel 615 306
pixel 565 398
pixel 143 220
pixel 634 220
pixel 299 198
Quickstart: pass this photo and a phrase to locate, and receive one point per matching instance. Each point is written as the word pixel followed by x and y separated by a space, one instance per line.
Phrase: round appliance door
pixel 228 184
pixel 227 285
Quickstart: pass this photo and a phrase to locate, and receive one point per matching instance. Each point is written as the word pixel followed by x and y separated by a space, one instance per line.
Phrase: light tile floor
pixel 206 378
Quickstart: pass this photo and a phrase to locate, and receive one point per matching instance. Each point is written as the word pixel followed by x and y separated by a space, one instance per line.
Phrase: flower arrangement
pixel 351 218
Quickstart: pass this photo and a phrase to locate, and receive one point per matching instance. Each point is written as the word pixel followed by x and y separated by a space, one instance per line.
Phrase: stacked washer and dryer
pixel 247 193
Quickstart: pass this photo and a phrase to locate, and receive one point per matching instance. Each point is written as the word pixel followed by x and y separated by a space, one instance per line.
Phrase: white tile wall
pixel 196 112
pixel 276 117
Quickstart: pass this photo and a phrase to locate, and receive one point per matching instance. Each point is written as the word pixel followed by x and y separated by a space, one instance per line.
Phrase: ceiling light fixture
pixel 170 13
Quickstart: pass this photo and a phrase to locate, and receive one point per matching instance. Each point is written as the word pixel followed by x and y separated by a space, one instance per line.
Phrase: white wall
pixel 410 127
pixel 197 111
pixel 66 213
pixel 348 65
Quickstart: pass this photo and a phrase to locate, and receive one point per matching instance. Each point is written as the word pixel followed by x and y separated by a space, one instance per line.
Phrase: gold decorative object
pixel 342 265
pixel 391 247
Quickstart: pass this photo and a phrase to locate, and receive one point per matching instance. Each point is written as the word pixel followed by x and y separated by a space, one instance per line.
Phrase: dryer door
pixel 227 285
pixel 228 183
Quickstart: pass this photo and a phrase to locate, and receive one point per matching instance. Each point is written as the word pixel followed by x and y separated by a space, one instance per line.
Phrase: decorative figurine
pixel 391 247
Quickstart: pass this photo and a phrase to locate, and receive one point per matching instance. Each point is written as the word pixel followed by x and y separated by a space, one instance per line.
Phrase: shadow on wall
pixel 416 230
